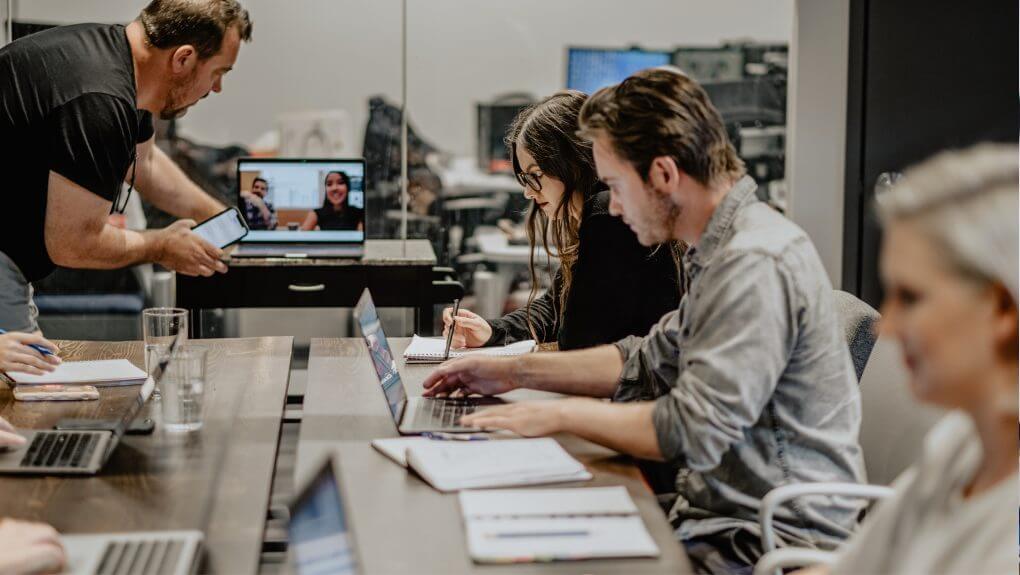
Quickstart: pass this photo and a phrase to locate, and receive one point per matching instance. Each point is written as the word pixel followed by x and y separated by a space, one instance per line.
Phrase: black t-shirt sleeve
pixel 92 141
pixel 146 130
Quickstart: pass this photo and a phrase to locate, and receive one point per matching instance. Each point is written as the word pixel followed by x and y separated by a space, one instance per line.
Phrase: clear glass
pixel 184 389
pixel 159 327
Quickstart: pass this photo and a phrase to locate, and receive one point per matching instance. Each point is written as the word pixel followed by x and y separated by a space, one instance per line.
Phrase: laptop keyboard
pixel 442 413
pixel 60 449
pixel 141 557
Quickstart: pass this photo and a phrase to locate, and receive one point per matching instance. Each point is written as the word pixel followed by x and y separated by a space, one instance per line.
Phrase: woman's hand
pixel 15 355
pixel 471 329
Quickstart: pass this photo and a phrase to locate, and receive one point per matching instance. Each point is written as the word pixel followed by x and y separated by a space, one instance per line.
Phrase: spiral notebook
pixel 527 525
pixel 432 349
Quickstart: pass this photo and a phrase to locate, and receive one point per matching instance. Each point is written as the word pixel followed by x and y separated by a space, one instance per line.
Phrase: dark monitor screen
pixel 589 69
pixel 320 537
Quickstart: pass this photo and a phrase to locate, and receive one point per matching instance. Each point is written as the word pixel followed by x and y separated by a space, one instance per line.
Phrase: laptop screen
pixel 320 538
pixel 146 390
pixel 382 356
pixel 302 200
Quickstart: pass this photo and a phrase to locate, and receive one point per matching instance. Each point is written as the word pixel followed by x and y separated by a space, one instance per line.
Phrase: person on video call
pixel 258 211
pixel 77 126
pixel 335 213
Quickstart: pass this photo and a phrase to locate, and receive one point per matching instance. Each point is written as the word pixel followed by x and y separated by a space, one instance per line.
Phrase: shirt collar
pixel 741 194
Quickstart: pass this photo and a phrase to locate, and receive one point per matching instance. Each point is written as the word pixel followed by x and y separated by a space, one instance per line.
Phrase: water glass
pixel 183 389
pixel 160 325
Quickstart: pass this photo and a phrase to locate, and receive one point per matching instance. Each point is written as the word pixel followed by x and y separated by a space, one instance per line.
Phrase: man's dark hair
pixel 662 112
pixel 199 23
pixel 263 180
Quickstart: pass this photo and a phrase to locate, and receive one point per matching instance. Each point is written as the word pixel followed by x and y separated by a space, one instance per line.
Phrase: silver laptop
pixel 417 414
pixel 316 207
pixel 78 452
pixel 321 539
pixel 135 553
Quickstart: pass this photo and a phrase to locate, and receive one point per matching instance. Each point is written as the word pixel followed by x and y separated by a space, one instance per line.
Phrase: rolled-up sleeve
pixel 735 347
pixel 649 362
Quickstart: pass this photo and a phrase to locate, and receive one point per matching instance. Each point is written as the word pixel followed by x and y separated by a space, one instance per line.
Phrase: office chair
pixel 893 429
pixel 859 322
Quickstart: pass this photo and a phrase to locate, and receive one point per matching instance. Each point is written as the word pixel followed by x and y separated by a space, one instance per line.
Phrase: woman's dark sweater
pixel 619 288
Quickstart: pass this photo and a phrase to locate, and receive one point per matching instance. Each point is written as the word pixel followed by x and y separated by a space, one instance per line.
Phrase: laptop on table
pixel 78 452
pixel 413 415
pixel 321 539
pixel 328 194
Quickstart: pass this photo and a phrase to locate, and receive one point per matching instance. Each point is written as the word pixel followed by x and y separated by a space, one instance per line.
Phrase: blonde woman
pixel 949 264
pixel 608 285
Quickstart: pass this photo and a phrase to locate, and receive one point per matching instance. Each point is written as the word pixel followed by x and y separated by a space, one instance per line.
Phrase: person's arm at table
pixel 29 547
pixel 624 427
pixel 593 372
pixel 17 355
pixel 166 186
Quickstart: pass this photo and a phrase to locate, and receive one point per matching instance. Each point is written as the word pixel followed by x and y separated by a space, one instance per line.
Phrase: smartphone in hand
pixel 224 229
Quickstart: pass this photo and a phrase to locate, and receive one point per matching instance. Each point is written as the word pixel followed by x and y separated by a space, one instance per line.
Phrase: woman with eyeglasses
pixel 950 267
pixel 607 286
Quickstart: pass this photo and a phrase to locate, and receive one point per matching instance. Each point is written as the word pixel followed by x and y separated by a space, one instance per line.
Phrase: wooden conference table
pixel 402 525
pixel 216 480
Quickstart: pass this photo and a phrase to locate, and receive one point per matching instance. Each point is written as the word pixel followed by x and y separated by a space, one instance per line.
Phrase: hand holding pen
pixel 27 353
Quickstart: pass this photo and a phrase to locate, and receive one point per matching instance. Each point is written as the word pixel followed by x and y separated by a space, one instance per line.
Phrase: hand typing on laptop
pixel 9 438
pixel 28 547
pixel 472 375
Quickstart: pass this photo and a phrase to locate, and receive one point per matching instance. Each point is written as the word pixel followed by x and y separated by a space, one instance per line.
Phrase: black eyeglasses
pixel 531 180
pixel 117 207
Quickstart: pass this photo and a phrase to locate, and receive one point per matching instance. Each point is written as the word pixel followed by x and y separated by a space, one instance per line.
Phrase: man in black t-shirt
pixel 76 107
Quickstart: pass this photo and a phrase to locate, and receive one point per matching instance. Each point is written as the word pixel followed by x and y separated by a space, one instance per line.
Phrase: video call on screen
pixel 304 197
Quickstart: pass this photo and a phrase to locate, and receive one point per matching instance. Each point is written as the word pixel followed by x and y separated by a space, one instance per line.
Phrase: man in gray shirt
pixel 748 386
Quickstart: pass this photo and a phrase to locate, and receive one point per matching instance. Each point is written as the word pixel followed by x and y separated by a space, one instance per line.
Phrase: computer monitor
pixel 313 200
pixel 589 69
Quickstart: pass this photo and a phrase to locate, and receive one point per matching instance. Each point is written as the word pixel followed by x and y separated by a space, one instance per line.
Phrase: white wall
pixel 816 141
pixel 336 53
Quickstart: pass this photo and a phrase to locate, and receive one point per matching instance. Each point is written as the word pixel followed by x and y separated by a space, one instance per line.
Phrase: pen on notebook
pixel 453 326
pixel 524 534
pixel 35 346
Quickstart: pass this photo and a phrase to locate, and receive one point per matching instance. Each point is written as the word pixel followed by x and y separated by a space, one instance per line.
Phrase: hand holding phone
pixel 56 392
pixel 225 228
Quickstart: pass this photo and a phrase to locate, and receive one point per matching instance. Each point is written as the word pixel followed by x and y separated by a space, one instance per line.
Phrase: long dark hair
pixel 548 131
pixel 325 196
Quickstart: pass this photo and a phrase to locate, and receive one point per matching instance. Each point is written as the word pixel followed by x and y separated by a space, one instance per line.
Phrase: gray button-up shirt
pixel 752 379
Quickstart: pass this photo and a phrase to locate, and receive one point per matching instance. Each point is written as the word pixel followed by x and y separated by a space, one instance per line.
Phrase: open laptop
pixel 318 207
pixel 413 415
pixel 134 553
pixel 321 539
pixel 78 452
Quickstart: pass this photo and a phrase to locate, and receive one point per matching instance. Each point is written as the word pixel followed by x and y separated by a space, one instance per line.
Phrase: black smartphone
pixel 225 228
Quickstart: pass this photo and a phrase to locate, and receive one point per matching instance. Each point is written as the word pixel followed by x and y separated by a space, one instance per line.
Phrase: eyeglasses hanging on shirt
pixel 118 207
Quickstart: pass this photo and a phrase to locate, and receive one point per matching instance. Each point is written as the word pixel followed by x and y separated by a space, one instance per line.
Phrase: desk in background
pixel 400 523
pixel 396 278
pixel 164 481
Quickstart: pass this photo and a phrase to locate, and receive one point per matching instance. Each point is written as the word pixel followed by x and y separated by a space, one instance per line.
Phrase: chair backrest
pixel 893 424
pixel 859 321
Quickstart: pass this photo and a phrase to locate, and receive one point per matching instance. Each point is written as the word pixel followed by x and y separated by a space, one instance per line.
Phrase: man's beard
pixel 175 106
pixel 667 215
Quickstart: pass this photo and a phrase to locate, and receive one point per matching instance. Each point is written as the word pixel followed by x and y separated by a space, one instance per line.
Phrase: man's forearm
pixel 109 248
pixel 624 427
pixel 593 372
pixel 166 186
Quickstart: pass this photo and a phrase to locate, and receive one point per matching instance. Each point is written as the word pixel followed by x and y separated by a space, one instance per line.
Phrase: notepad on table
pixel 520 525
pixel 455 465
pixel 396 447
pixel 100 373
pixel 432 350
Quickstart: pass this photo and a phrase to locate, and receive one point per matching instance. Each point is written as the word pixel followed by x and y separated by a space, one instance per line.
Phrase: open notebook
pixel 431 350
pixel 455 465
pixel 100 373
pixel 523 525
